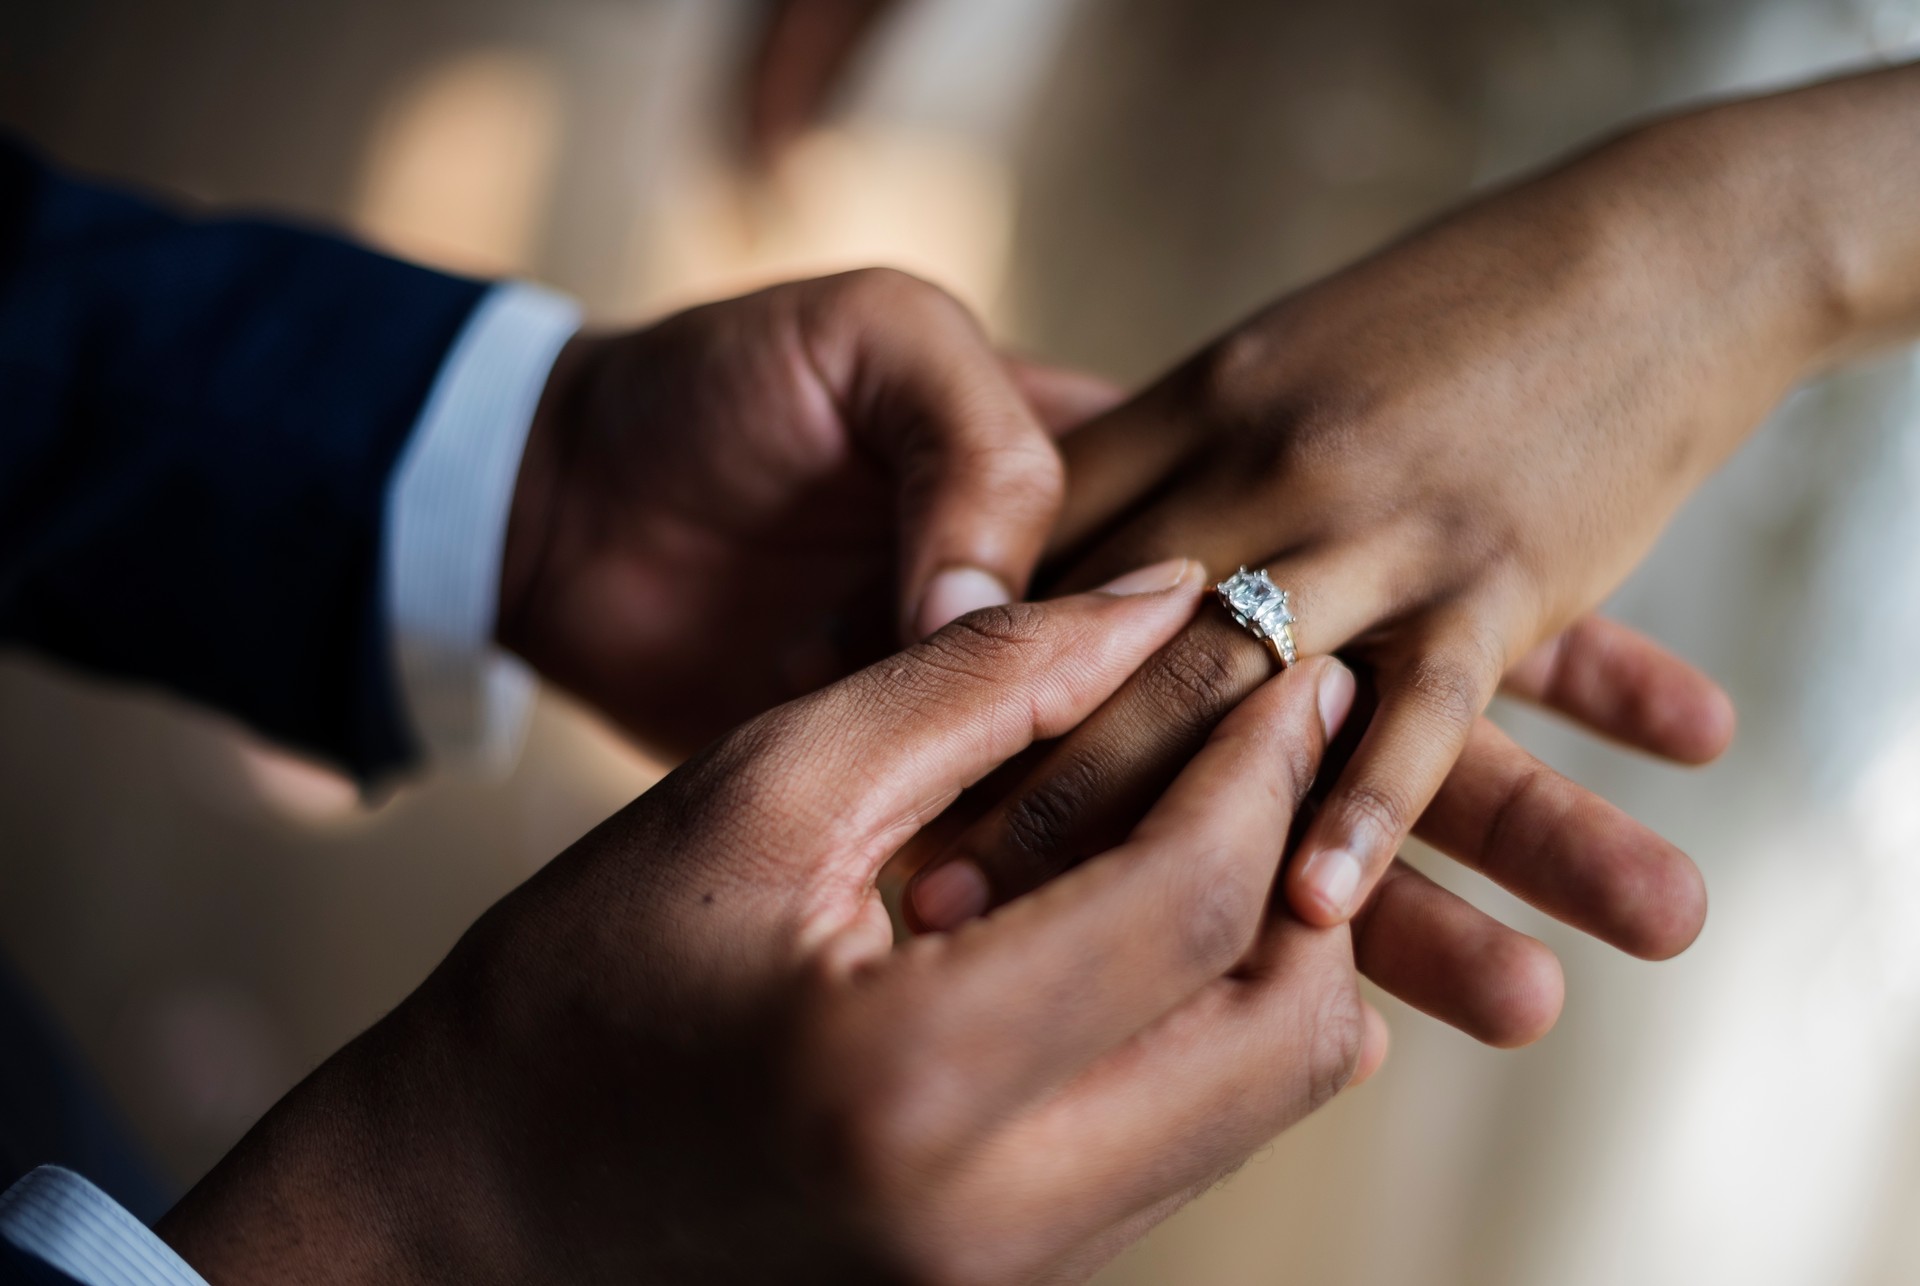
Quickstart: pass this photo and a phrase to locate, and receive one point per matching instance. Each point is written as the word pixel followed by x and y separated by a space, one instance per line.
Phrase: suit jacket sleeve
pixel 197 423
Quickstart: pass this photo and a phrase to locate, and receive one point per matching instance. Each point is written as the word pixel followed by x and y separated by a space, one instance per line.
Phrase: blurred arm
pixel 802 52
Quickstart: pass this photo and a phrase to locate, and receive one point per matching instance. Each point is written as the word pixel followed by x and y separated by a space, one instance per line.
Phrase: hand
pixel 745 501
pixel 1452 449
pixel 1447 453
pixel 687 1050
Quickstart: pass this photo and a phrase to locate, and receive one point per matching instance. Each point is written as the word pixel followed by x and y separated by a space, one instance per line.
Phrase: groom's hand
pixel 743 502
pixel 687 1051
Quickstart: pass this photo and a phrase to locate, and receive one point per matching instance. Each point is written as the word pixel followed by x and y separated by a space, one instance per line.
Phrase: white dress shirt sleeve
pixel 57 1217
pixel 466 700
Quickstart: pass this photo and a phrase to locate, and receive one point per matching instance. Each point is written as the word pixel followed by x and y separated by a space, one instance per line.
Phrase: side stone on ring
pixel 1262 607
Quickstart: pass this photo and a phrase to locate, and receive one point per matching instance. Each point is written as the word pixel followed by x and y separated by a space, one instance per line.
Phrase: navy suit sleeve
pixel 17 1268
pixel 197 423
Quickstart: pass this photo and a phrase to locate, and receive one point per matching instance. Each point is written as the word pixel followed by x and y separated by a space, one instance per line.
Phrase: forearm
pixel 1848 151
pixel 1795 212
pixel 370 1171
pixel 1723 254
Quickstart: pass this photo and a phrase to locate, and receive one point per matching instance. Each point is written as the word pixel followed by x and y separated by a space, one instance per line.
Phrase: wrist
pixel 1702 269
pixel 1800 203
pixel 538 493
pixel 1740 242
pixel 370 1171
pixel 1774 260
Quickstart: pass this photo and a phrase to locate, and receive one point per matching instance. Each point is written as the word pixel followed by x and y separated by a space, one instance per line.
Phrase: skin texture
pixel 686 1050
pixel 819 452
pixel 1447 452
pixel 746 500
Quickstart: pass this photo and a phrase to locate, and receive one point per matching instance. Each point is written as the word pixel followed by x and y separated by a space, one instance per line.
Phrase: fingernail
pixel 950 895
pixel 954 593
pixel 1336 697
pixel 1332 878
pixel 1150 579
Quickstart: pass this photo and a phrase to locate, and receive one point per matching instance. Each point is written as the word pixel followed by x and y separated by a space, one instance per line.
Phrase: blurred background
pixel 1108 181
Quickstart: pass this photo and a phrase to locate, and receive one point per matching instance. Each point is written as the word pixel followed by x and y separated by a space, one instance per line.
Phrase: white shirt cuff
pixel 466 700
pixel 59 1218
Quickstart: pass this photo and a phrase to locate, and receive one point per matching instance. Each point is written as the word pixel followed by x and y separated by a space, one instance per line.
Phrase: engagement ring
pixel 1261 606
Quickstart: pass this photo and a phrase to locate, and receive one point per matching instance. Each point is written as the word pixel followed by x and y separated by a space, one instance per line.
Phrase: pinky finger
pixel 1564 849
pixel 1447 958
pixel 1621 684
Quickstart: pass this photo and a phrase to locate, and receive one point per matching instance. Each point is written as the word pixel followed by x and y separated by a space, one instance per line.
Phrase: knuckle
pixel 1218 914
pixel 746 775
pixel 1302 760
pixel 887 283
pixel 1280 419
pixel 1199 675
pixel 1028 471
pixel 1447 688
pixel 1016 469
pixel 1334 1040
pixel 1529 806
pixel 880 1126
pixel 895 290
pixel 1007 626
pixel 1038 829
pixel 986 642
pixel 1227 376
pixel 1379 807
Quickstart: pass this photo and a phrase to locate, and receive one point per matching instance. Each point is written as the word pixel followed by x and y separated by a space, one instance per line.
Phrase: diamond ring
pixel 1261 606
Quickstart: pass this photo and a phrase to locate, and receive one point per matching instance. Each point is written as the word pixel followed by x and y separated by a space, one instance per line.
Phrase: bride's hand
pixel 1447 453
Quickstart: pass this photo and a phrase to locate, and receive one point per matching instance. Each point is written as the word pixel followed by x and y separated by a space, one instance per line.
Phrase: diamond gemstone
pixel 1255 596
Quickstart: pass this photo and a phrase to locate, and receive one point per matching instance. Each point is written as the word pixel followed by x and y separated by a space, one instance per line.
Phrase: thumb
pixel 977 476
pixel 885 750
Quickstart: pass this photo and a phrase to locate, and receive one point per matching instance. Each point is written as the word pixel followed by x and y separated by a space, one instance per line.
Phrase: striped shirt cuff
pixel 62 1220
pixel 466 700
